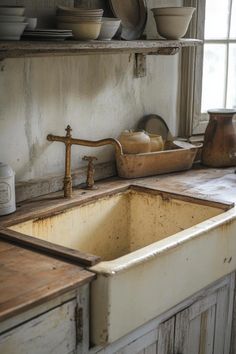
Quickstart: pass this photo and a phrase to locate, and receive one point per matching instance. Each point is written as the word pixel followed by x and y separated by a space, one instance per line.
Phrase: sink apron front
pixel 134 289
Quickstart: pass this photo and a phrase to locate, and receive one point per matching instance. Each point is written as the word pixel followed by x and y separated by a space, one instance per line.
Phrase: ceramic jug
pixel 7 190
pixel 219 148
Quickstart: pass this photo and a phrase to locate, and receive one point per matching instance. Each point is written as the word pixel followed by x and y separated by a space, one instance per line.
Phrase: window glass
pixel 214 76
pixel 231 92
pixel 233 21
pixel 217 19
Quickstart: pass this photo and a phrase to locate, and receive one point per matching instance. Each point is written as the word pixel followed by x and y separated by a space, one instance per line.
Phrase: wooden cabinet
pixel 59 327
pixel 201 324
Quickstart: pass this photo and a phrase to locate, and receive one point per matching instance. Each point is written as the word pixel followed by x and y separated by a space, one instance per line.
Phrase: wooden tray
pixel 178 156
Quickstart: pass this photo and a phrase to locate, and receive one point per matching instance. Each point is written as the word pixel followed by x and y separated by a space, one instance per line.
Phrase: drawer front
pixel 53 332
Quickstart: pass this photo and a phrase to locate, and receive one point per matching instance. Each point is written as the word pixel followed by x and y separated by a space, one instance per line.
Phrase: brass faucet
pixel 90 171
pixel 69 141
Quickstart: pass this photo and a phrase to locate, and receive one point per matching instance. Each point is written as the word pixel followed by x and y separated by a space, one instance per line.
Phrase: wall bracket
pixel 140 68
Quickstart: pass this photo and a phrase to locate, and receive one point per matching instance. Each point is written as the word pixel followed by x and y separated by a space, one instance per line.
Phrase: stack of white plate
pixel 12 22
pixel 48 34
pixel 84 23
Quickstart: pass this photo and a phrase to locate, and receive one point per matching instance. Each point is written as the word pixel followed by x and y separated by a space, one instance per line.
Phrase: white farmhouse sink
pixel 156 251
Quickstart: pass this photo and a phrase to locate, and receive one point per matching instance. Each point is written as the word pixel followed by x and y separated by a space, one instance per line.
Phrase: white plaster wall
pixel 97 95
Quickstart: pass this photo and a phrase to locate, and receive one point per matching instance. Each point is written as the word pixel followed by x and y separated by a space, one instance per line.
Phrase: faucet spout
pixel 69 141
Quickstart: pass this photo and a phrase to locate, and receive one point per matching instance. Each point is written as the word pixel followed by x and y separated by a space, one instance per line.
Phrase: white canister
pixel 7 190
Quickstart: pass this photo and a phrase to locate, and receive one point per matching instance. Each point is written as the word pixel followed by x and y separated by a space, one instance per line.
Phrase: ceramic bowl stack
pixel 12 22
pixel 173 22
pixel 84 23
pixel 109 28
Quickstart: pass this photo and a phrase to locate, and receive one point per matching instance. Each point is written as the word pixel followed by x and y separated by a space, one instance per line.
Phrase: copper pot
pixel 219 148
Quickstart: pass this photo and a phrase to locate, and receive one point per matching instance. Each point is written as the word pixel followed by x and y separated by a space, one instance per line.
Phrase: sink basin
pixel 116 225
pixel 156 249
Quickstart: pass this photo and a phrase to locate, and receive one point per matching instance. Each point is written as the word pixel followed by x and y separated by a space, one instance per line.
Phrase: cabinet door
pixel 58 328
pixel 205 327
pixel 146 344
pixel 158 341
pixel 53 332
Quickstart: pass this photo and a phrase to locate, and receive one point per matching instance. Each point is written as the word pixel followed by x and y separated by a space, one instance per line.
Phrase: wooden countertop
pixel 28 278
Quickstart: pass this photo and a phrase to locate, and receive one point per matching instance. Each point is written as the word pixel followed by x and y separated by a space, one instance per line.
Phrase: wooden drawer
pixel 53 332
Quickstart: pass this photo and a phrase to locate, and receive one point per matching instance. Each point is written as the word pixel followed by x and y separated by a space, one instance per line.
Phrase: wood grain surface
pixel 28 278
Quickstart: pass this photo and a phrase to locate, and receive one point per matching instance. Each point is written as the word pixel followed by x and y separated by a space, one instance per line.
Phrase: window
pixel 219 60
pixel 209 73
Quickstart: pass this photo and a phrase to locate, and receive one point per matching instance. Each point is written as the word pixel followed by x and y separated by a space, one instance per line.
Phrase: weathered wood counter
pixel 28 278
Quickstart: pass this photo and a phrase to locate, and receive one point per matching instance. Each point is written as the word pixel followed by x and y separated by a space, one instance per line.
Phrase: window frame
pixel 227 41
pixel 192 120
pixel 191 75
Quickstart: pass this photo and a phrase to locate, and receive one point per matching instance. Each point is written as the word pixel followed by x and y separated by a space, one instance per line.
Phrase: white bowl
pixel 32 23
pixel 172 27
pixel 4 18
pixel 12 10
pixel 109 28
pixel 177 11
pixel 84 30
pixel 12 30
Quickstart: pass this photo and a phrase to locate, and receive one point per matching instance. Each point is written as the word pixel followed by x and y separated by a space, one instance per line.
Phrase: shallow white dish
pixel 74 11
pixel 48 34
pixel 6 18
pixel 12 30
pixel 12 10
pixel 109 28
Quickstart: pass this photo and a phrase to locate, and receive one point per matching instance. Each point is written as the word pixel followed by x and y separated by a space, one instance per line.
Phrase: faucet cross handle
pixel 89 158
pixel 90 171
pixel 68 131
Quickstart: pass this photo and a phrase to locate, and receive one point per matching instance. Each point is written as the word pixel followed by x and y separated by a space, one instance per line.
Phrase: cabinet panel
pixel 139 346
pixel 166 334
pixel 53 332
pixel 221 321
pixel 152 349
pixel 205 327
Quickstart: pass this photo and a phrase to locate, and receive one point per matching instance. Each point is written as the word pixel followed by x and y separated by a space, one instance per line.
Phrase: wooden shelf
pixel 21 49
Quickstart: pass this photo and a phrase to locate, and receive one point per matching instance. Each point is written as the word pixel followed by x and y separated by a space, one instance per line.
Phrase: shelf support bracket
pixel 140 68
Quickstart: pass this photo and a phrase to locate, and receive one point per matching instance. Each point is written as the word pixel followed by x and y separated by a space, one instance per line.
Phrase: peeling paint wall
pixel 97 95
